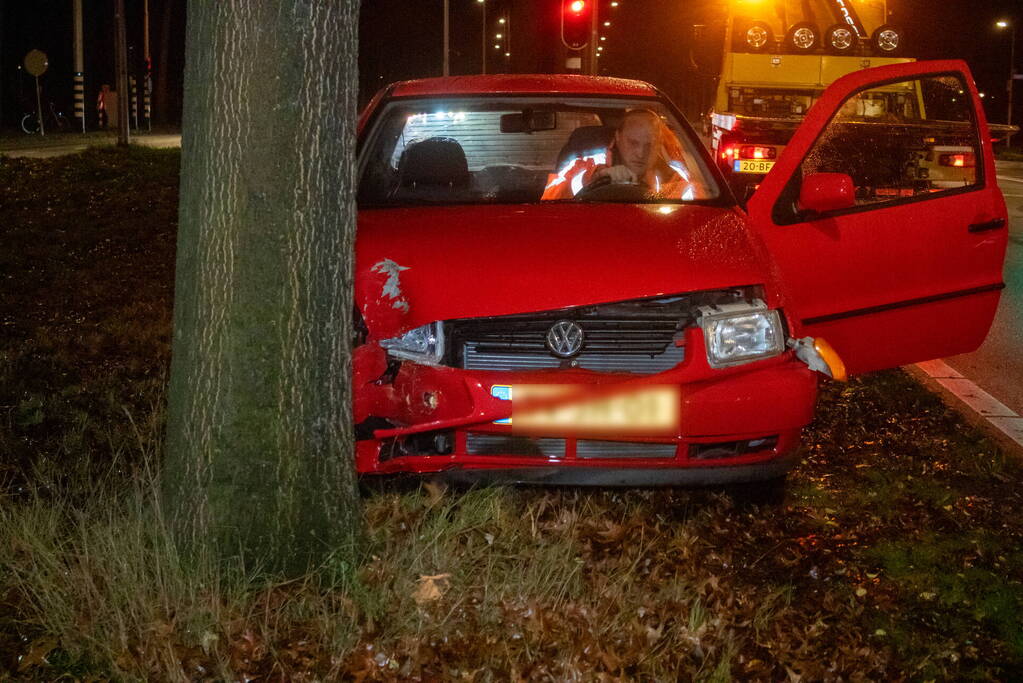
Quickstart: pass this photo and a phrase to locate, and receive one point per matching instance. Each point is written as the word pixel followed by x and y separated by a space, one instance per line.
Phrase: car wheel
pixel 840 39
pixel 803 37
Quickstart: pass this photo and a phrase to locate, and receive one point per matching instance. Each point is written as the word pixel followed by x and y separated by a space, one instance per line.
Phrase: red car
pixel 527 313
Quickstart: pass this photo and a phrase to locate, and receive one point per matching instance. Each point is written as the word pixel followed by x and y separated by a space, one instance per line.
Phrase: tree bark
pixel 260 447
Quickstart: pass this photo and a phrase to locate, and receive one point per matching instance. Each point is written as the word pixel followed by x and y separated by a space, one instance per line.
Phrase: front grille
pixel 475 358
pixel 503 444
pixel 634 336
pixel 506 444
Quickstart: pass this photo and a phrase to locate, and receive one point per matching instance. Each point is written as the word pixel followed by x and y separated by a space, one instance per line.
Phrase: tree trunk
pixel 260 448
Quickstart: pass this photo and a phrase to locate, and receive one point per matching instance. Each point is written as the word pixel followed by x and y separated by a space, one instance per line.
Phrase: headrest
pixel 436 161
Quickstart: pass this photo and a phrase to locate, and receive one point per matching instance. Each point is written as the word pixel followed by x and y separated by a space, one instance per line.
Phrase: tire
pixel 888 41
pixel 803 37
pixel 753 36
pixel 843 35
pixel 30 124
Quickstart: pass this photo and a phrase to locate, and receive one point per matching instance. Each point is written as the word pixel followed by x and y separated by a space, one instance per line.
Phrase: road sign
pixel 36 62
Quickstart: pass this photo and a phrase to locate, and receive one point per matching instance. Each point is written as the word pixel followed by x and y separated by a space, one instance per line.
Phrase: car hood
pixel 418 265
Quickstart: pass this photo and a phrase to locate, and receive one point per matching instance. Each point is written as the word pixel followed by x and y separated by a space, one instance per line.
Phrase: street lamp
pixel 505 23
pixel 1003 24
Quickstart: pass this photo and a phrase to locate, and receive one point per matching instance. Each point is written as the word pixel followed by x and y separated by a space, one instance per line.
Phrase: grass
pixel 895 556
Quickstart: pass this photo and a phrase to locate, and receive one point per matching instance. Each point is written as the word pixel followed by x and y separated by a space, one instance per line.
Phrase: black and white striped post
pixel 79 88
pixel 134 101
pixel 147 84
pixel 147 97
pixel 79 79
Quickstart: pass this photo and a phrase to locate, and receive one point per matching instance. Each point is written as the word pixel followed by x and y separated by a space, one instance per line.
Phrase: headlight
pixel 738 333
pixel 423 344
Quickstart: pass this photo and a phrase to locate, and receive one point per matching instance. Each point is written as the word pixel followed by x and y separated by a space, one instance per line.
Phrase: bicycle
pixel 55 121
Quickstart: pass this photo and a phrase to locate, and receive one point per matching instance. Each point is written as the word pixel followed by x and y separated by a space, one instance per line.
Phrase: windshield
pixel 488 150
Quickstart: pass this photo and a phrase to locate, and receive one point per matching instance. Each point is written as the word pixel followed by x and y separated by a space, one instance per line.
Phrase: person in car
pixel 643 151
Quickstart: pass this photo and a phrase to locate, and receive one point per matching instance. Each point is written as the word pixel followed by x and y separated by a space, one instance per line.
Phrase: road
pixel 997 366
pixel 68 144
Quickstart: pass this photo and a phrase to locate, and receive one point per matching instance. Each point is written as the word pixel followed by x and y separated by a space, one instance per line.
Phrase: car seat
pixel 435 168
pixel 584 141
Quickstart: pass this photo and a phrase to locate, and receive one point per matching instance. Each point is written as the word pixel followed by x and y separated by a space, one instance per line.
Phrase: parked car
pixel 521 317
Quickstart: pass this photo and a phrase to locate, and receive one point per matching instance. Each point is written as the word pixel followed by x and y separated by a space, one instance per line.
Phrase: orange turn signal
pixel 828 354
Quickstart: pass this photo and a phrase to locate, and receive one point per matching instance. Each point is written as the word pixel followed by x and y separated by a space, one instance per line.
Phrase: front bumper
pixel 736 424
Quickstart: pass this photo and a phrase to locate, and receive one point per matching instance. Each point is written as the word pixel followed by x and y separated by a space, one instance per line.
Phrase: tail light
pixel 757 152
pixel 958 160
pixel 729 152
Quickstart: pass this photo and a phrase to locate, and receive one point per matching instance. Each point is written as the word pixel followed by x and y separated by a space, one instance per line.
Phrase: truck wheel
pixel 839 39
pixel 753 36
pixel 803 37
pixel 887 40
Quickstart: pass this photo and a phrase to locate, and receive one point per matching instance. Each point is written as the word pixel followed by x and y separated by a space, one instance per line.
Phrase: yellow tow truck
pixel 779 57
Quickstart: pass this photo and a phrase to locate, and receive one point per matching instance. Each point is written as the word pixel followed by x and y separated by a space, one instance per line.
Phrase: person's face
pixel 635 144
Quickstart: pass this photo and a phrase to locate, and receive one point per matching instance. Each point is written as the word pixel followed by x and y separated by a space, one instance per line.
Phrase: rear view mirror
pixel 824 192
pixel 529 121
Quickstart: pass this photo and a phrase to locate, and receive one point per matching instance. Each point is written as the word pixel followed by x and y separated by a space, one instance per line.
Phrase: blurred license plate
pixel 650 410
pixel 752 166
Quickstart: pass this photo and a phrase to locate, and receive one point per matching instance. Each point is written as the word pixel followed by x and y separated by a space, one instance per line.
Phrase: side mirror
pixel 823 192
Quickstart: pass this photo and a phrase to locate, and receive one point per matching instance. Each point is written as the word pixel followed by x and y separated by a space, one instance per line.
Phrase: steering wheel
pixel 604 190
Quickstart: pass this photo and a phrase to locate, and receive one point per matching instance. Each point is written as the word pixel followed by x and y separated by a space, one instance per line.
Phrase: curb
pixel 976 406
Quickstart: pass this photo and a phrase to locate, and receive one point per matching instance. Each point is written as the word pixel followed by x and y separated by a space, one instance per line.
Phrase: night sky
pixel 399 39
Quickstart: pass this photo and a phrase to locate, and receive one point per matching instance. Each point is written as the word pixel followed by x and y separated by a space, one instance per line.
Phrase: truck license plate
pixel 752 166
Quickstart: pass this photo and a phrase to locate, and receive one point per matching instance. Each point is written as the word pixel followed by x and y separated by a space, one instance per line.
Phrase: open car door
pixel 883 218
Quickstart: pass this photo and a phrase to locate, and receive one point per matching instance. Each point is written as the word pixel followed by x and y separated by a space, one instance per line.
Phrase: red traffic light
pixel 576 16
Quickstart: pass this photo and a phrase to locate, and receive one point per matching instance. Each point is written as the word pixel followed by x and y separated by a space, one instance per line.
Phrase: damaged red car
pixel 554 283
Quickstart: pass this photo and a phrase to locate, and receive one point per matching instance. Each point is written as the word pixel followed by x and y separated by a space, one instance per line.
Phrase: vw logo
pixel 565 339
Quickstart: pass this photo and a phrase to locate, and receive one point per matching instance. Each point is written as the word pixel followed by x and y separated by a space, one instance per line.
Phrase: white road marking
pixel 1011 180
pixel 998 414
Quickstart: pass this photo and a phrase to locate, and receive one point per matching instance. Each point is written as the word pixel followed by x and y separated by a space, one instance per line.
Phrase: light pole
pixel 447 37
pixel 1011 25
pixel 483 3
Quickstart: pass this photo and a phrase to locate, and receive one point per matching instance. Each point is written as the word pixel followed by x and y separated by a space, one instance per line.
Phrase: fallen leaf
pixel 37 652
pixel 431 588
pixel 434 492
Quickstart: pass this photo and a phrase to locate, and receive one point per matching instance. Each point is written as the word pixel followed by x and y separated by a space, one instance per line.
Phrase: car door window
pixel 903 141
